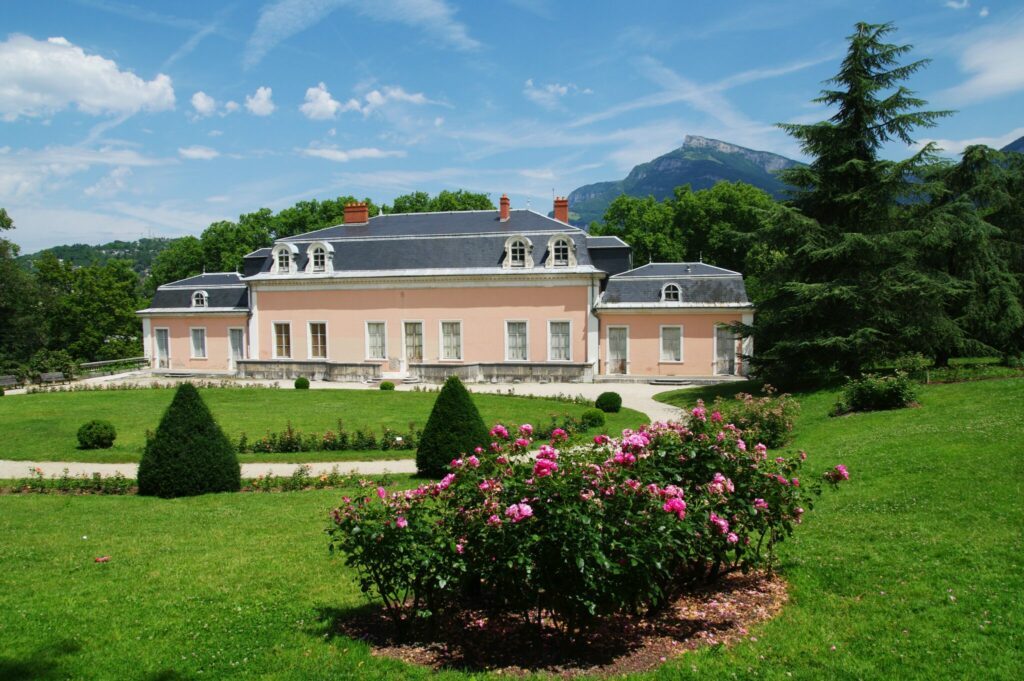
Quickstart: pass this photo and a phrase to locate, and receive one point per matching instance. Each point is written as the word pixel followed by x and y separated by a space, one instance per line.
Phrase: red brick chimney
pixel 356 213
pixel 562 209
pixel 506 207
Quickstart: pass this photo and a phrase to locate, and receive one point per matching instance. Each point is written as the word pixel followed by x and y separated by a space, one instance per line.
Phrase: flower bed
pixel 574 537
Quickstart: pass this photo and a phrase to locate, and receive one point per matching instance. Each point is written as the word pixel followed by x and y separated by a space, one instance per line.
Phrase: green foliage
pixel 608 402
pixel 873 393
pixel 97 434
pixel 422 202
pixel 141 254
pixel 386 385
pixel 646 224
pixel 181 259
pixel 189 454
pixel 49 361
pixel 454 428
pixel 592 418
pixel 768 419
pixel 290 441
pixel 302 383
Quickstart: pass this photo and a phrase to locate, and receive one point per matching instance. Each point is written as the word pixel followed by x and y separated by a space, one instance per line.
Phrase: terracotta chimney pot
pixel 356 213
pixel 506 208
pixel 562 209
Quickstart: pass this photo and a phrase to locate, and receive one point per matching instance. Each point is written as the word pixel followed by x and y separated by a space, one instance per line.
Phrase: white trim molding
pixel 661 344
pixel 608 349
pixel 273 339
pixel 526 324
pixel 309 339
pixel 560 321
pixel 366 336
pixel 192 343
pixel 440 340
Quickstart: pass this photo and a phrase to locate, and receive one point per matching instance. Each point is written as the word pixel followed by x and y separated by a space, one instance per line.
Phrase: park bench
pixel 53 377
pixel 9 382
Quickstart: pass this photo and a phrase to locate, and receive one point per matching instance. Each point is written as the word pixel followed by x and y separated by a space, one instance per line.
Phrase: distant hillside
pixel 140 253
pixel 1016 145
pixel 700 162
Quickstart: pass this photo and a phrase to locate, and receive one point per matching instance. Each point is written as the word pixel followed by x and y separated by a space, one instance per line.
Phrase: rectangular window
pixel 198 343
pixel 451 340
pixel 414 341
pixel 558 342
pixel 671 344
pixel 515 342
pixel 318 340
pixel 282 340
pixel 376 347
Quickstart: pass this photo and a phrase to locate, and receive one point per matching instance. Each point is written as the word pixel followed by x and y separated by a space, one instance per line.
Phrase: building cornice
pixel 192 311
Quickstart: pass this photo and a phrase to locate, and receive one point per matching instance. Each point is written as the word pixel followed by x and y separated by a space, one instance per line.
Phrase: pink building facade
pixel 486 295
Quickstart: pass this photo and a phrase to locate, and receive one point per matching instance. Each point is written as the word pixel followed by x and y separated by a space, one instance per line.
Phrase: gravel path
pixel 639 396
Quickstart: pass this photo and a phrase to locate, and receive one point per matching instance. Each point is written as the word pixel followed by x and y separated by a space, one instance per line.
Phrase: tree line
pixel 868 259
pixel 56 311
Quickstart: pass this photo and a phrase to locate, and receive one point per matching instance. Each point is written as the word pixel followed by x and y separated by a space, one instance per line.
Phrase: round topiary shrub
pixel 454 428
pixel 189 454
pixel 302 383
pixel 592 418
pixel 609 402
pixel 387 385
pixel 97 435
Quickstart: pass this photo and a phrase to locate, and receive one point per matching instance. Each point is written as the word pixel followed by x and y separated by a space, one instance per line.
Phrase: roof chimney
pixel 562 209
pixel 505 207
pixel 356 213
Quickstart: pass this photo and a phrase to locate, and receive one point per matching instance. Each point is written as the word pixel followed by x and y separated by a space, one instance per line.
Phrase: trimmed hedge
pixel 592 418
pixel 189 454
pixel 387 385
pixel 97 435
pixel 609 402
pixel 302 383
pixel 871 393
pixel 454 427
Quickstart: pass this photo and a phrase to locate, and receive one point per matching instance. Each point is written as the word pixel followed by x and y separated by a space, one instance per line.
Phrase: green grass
pixel 913 569
pixel 43 426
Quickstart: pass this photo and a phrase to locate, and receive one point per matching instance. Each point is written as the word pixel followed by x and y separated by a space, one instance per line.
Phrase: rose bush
pixel 622 526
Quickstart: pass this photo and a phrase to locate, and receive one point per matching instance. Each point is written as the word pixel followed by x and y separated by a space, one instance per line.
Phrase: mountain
pixel 700 162
pixel 140 253
pixel 1016 145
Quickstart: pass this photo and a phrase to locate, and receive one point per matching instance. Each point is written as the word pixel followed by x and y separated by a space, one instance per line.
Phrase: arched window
pixel 284 261
pixel 671 293
pixel 319 257
pixel 517 253
pixel 199 299
pixel 284 258
pixel 560 253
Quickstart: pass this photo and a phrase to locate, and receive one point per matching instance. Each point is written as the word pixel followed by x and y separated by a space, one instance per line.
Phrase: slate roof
pixel 701 285
pixel 435 224
pixel 606 242
pixel 225 290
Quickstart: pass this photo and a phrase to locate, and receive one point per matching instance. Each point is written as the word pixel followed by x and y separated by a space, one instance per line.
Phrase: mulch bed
pixel 720 614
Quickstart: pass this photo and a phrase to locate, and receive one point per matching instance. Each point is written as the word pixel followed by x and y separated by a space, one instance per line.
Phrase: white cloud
pixel 218 198
pixel 343 156
pixel 23 173
pixel 215 133
pixel 956 147
pixel 983 12
pixel 549 96
pixel 958 4
pixel 40 78
pixel 230 107
pixel 261 103
pixel 198 153
pixel 281 20
pixel 379 98
pixel 110 185
pixel 320 106
pixel 204 104
pixel 994 59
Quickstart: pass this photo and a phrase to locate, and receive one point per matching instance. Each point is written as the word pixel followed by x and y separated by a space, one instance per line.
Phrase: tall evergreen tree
pixel 849 292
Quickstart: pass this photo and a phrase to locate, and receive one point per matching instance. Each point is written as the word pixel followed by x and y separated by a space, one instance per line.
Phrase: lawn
pixel 913 569
pixel 42 426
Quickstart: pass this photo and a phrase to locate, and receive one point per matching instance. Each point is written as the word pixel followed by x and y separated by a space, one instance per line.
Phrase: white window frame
pixel 423 340
pixel 366 335
pixel 273 339
pixel 328 250
pixel 527 253
pixel 309 339
pixel 156 345
pixel 661 344
pixel 679 291
pixel 292 251
pixel 197 295
pixel 245 351
pixel 550 337
pixel 440 340
pixel 570 256
pixel 517 321
pixel 608 349
pixel 192 343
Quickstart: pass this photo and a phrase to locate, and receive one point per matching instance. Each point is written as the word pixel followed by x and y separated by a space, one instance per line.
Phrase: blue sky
pixel 121 120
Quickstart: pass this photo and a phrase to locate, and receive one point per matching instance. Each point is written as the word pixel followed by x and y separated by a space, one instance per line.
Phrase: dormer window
pixel 561 251
pixel 518 253
pixel 284 258
pixel 199 299
pixel 671 293
pixel 319 259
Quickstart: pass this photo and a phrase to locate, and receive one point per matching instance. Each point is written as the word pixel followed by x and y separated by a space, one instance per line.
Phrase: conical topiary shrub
pixel 189 454
pixel 454 428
